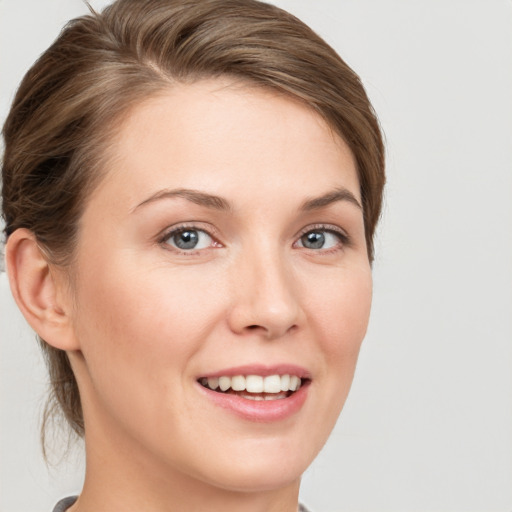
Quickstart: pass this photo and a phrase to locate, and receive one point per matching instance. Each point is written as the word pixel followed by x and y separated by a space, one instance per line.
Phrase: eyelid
pixel 183 226
pixel 331 228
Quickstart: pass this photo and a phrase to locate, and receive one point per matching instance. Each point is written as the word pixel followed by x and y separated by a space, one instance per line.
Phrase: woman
pixel 190 193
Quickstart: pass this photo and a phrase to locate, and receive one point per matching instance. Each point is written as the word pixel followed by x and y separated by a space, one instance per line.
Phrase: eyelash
pixel 176 230
pixel 344 240
pixel 326 228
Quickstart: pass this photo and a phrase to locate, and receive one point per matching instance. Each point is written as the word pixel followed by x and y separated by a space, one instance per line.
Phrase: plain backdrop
pixel 428 424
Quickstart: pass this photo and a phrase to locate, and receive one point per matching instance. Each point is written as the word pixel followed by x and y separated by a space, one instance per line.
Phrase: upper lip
pixel 259 369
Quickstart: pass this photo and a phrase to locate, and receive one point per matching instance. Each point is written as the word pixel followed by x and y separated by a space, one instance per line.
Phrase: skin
pixel 141 319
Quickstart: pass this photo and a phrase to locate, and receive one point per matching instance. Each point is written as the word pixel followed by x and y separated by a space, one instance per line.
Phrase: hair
pixel 73 99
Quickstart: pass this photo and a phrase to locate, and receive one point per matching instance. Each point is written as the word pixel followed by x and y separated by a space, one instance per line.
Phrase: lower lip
pixel 263 411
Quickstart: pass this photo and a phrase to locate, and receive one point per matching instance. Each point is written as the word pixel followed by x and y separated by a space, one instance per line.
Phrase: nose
pixel 265 296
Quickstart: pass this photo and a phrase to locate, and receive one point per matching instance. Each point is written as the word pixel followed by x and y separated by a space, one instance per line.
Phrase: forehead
pixel 227 138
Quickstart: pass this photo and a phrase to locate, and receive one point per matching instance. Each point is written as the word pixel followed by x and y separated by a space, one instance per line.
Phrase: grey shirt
pixel 65 503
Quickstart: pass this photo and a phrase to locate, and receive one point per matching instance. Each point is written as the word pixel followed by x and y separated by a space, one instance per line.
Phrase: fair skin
pixel 271 276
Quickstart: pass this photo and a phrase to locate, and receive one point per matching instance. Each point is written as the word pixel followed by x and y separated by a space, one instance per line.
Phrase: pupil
pixel 313 240
pixel 186 239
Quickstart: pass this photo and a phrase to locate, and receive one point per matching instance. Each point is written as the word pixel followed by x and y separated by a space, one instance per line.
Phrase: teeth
pixel 213 382
pixel 285 383
pixel 272 384
pixel 224 383
pixel 276 396
pixel 275 384
pixel 254 384
pixel 294 383
pixel 238 383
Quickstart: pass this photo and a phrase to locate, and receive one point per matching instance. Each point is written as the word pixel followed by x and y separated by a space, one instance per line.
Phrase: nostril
pixel 269 333
pixel 256 329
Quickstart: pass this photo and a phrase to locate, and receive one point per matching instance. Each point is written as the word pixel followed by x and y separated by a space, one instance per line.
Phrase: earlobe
pixel 38 291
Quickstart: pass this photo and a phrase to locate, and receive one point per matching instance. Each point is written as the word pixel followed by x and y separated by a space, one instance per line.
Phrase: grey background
pixel 428 424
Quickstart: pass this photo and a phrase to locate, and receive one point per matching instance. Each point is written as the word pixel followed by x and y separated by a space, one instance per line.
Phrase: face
pixel 225 247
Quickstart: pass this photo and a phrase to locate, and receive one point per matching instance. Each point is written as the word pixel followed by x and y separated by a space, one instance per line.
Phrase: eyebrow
pixel 219 203
pixel 194 196
pixel 339 194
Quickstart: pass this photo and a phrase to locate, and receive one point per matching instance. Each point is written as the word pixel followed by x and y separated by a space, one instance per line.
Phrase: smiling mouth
pixel 255 387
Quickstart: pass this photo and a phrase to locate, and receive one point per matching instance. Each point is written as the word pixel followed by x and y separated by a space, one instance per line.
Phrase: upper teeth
pixel 254 383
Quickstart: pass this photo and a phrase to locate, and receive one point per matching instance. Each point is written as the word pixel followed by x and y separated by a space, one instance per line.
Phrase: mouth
pixel 258 393
pixel 256 387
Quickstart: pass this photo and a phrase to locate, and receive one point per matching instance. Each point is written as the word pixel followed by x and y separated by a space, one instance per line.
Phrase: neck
pixel 120 476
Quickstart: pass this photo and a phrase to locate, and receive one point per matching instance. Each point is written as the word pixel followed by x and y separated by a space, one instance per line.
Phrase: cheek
pixel 341 310
pixel 136 320
pixel 138 336
pixel 342 316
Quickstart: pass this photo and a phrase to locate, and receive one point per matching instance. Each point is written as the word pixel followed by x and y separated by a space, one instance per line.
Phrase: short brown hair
pixel 74 96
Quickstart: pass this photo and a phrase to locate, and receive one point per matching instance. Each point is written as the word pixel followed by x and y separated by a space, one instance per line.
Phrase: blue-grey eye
pixel 188 239
pixel 319 239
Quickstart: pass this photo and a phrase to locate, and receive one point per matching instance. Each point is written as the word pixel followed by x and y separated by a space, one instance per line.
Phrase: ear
pixel 39 290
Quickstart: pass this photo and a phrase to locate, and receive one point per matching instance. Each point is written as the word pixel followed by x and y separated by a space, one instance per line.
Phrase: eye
pixel 188 239
pixel 321 238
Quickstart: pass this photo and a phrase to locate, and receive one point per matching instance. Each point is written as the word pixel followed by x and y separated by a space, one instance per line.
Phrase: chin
pixel 260 466
pixel 260 478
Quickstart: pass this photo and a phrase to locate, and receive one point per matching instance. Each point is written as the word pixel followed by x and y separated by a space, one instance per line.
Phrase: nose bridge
pixel 266 299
